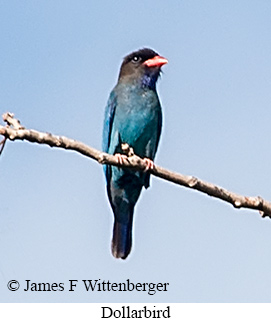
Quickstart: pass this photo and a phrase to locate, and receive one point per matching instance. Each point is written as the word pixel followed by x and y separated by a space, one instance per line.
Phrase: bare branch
pixel 11 121
pixel 14 131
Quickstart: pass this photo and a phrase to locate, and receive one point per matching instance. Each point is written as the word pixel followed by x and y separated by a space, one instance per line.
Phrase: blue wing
pixel 159 128
pixel 151 149
pixel 108 120
pixel 107 128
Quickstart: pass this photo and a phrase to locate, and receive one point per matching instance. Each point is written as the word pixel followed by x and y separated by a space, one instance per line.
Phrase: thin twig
pixel 2 145
pixel 14 131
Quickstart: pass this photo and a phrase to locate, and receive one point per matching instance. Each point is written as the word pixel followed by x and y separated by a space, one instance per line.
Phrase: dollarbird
pixel 133 117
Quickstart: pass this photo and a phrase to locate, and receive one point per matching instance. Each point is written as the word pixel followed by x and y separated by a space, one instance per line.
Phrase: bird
pixel 133 118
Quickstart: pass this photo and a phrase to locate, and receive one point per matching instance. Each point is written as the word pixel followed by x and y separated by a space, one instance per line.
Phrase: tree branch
pixel 15 131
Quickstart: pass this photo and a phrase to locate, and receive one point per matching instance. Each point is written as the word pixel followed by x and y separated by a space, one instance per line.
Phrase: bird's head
pixel 142 67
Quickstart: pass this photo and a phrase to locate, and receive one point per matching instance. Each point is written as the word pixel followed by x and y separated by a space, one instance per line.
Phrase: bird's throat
pixel 149 80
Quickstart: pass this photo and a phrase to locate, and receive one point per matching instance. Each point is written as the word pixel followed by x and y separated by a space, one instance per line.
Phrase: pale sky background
pixel 59 62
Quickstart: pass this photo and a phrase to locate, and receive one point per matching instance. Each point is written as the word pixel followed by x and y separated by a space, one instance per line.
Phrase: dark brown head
pixel 143 67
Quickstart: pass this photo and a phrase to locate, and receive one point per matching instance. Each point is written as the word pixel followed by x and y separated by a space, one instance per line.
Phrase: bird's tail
pixel 122 234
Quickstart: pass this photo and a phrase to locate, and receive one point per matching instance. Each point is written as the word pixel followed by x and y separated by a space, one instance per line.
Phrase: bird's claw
pixel 127 150
pixel 149 164
pixel 121 159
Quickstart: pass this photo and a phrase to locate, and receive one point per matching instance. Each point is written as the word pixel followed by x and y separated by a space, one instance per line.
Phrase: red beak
pixel 156 61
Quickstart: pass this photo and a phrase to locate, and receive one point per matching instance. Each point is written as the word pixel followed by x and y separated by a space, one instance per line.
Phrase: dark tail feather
pixel 122 236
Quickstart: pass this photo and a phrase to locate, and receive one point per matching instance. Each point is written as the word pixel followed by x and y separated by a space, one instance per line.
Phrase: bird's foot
pixel 127 150
pixel 149 164
pixel 121 159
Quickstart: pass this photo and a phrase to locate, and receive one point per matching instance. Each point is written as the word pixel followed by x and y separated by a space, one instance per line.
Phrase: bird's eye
pixel 135 59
